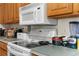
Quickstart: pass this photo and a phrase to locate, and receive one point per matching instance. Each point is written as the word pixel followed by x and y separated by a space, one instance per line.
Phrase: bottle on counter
pixel 72 42
pixel 77 37
pixel 65 41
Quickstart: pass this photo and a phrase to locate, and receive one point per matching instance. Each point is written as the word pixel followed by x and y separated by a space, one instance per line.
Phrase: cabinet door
pixel 59 8
pixel 3 45
pixel 16 13
pixel 11 12
pixel 76 7
pixel 6 13
pixel 1 13
pixel 3 49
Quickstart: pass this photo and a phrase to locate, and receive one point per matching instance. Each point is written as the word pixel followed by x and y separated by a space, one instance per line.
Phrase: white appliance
pixel 16 50
pixel 36 35
pixel 35 13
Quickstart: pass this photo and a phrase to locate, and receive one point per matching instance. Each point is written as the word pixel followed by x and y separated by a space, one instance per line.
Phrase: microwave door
pixel 28 18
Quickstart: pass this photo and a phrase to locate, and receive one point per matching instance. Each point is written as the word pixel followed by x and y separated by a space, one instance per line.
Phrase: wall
pixel 1 26
pixel 63 25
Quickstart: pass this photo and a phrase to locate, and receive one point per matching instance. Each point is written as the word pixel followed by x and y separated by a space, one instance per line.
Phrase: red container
pixel 57 41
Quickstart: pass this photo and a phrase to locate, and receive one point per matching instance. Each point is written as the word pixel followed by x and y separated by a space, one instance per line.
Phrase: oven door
pixel 15 50
pixel 12 52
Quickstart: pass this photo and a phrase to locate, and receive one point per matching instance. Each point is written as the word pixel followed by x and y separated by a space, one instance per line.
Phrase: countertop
pixel 6 40
pixel 51 50
pixel 48 50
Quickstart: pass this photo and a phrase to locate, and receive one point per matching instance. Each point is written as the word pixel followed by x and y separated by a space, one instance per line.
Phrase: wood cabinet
pixel 6 13
pixel 57 13
pixel 76 7
pixel 3 49
pixel 16 13
pixel 11 12
pixel 55 9
pixel 1 13
pixel 3 52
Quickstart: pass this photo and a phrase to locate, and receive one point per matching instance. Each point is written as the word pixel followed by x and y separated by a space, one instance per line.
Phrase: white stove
pixel 23 46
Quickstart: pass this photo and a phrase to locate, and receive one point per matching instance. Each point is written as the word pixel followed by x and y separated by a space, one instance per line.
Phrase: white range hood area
pixel 35 14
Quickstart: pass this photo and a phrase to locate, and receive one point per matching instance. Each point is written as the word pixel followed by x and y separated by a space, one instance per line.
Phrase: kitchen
pixel 39 29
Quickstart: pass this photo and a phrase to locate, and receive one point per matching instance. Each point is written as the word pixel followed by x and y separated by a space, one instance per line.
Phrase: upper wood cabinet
pixel 8 13
pixel 11 12
pixel 16 12
pixel 76 7
pixel 59 8
pixel 1 13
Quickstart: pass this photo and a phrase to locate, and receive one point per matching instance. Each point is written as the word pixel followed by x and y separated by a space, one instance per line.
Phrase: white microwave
pixel 32 14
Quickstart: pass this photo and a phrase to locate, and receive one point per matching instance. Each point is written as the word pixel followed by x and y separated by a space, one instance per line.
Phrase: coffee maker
pixel 2 32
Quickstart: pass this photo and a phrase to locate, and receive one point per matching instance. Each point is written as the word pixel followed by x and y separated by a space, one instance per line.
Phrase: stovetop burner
pixel 29 45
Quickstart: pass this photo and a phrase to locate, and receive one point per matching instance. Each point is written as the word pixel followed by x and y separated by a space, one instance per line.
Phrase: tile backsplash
pixel 1 26
pixel 63 25
pixel 43 27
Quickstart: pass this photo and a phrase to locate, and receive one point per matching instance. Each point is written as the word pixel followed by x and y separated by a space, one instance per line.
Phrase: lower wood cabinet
pixel 3 52
pixel 3 49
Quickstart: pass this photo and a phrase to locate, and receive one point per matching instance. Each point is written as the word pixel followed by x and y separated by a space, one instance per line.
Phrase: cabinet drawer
pixel 3 45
